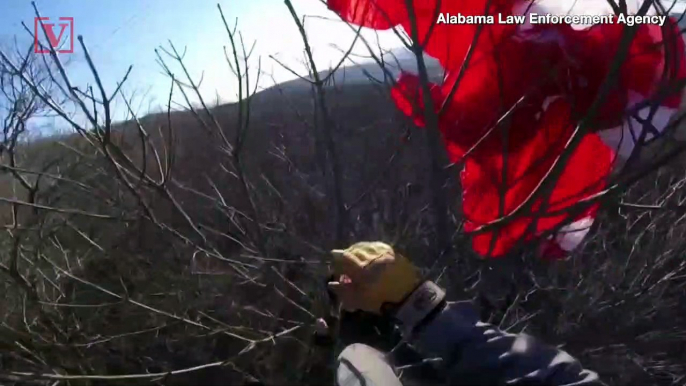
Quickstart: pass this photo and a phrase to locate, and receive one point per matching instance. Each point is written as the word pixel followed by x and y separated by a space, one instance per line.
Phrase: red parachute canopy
pixel 543 78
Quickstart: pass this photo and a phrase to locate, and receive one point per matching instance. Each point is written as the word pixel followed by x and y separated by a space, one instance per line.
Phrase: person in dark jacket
pixel 372 277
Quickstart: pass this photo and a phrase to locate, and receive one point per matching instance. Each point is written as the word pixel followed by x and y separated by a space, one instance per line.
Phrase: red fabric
pixel 519 72
pixel 525 167
pixel 376 14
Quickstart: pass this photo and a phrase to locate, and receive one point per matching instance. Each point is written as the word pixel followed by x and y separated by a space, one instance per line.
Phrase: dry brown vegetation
pixel 189 247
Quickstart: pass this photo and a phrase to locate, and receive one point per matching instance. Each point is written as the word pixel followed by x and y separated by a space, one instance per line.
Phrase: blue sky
pixel 119 33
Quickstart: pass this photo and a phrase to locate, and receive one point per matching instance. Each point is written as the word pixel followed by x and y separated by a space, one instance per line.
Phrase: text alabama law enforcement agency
pixel 535 18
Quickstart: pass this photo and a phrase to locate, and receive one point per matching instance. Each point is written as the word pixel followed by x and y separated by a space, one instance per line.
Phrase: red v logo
pixel 50 32
pixel 61 43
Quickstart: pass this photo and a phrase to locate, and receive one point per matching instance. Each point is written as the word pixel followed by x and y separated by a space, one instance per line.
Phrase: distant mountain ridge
pixel 365 73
